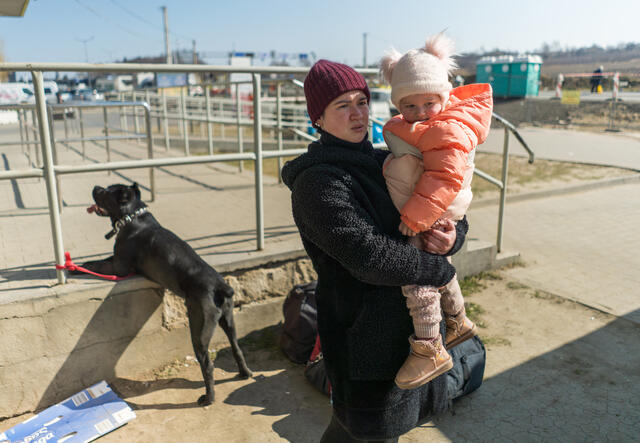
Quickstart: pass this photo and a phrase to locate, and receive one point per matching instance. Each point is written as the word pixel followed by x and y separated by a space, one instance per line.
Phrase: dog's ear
pixel 136 189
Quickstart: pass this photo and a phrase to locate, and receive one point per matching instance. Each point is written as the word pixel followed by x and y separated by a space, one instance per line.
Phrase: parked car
pixel 52 92
pixel 18 92
pixel 89 95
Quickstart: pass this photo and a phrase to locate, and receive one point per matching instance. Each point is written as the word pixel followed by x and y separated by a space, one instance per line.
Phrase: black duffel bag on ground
pixel 299 338
pixel 300 326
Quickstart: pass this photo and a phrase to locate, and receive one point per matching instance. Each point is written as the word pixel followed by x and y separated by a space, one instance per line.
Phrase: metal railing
pixel 502 184
pixel 50 170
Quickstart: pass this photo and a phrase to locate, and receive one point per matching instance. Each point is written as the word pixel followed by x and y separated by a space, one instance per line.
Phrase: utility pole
pixel 86 56
pixel 364 49
pixel 84 42
pixel 166 34
pixel 195 54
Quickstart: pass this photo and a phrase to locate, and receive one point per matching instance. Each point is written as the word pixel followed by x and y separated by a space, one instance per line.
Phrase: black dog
pixel 143 246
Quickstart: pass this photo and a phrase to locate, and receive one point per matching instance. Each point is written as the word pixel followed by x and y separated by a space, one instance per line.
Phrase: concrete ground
pixel 557 370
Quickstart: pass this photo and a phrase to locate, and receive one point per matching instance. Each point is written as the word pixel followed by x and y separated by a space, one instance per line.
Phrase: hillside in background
pixel 624 58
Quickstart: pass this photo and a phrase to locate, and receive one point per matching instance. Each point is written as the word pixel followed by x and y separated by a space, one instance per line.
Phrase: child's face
pixel 419 107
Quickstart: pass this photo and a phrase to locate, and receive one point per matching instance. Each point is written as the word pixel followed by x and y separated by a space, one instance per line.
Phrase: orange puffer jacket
pixel 443 160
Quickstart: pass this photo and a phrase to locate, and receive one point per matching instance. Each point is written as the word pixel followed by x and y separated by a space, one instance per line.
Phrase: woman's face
pixel 346 117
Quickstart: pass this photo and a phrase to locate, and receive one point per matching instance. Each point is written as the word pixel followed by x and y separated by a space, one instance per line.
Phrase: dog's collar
pixel 119 224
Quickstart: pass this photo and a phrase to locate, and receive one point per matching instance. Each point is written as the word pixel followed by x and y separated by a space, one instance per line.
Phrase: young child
pixel 428 175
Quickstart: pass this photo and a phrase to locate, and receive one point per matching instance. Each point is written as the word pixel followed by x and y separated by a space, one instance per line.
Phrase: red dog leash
pixel 69 265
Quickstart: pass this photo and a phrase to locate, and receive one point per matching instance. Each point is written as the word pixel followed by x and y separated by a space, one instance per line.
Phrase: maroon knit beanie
pixel 327 80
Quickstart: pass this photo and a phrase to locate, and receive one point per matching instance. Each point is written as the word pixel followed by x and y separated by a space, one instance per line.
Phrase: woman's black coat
pixel 349 228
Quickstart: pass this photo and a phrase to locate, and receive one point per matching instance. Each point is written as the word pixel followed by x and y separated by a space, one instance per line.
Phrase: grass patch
pixel 515 285
pixel 172 369
pixel 474 283
pixel 542 295
pixel 474 311
pixel 525 176
pixel 488 275
pixel 497 341
pixel 471 285
pixel 519 263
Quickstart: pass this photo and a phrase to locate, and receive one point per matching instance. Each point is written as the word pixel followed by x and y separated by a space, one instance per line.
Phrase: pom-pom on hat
pixel 420 71
pixel 328 80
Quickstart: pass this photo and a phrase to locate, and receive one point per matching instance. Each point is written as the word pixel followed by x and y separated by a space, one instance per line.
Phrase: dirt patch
pixel 552 113
pixel 525 177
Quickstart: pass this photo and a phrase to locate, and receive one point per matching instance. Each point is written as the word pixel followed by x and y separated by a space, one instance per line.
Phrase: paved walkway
pixel 581 246
pixel 600 148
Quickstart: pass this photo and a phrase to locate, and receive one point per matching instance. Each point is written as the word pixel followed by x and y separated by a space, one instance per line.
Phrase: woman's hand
pixel 439 241
pixel 406 230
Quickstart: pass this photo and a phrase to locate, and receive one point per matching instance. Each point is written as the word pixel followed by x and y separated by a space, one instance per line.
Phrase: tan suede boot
pixel 459 329
pixel 427 360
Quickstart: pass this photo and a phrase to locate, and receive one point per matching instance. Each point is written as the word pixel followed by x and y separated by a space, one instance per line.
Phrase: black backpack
pixel 466 376
pixel 300 326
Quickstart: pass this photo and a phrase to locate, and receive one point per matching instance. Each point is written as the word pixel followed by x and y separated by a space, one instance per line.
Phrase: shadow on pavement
pixel 106 336
pixel 588 389
pixel 287 393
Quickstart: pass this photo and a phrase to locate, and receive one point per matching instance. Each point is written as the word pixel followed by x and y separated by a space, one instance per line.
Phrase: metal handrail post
pixel 222 128
pixel 26 135
pixel 166 119
pixel 49 173
pixel 152 176
pixel 66 127
pixel 106 134
pixel 279 125
pixel 54 151
pixel 124 125
pixel 82 132
pixel 39 162
pixel 257 141
pixel 154 98
pixel 239 127
pixel 503 189
pixel 19 112
pixel 147 98
pixel 185 128
pixel 136 124
pixel 207 103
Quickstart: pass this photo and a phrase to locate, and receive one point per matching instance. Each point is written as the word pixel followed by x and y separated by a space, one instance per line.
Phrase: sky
pixel 108 30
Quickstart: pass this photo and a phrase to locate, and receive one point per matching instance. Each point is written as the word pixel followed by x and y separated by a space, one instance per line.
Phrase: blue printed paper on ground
pixel 83 417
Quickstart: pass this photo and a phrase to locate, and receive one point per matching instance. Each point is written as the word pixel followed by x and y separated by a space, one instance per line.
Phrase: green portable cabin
pixel 510 76
pixel 525 76
pixel 495 71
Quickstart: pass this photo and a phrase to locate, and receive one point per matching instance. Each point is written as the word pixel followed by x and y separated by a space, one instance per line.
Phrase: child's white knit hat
pixel 420 71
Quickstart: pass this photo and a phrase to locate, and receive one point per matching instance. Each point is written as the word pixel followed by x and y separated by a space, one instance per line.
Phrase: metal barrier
pixel 50 170
pixel 502 184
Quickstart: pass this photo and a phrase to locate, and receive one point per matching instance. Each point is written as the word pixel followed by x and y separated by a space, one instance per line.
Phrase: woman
pixel 349 228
